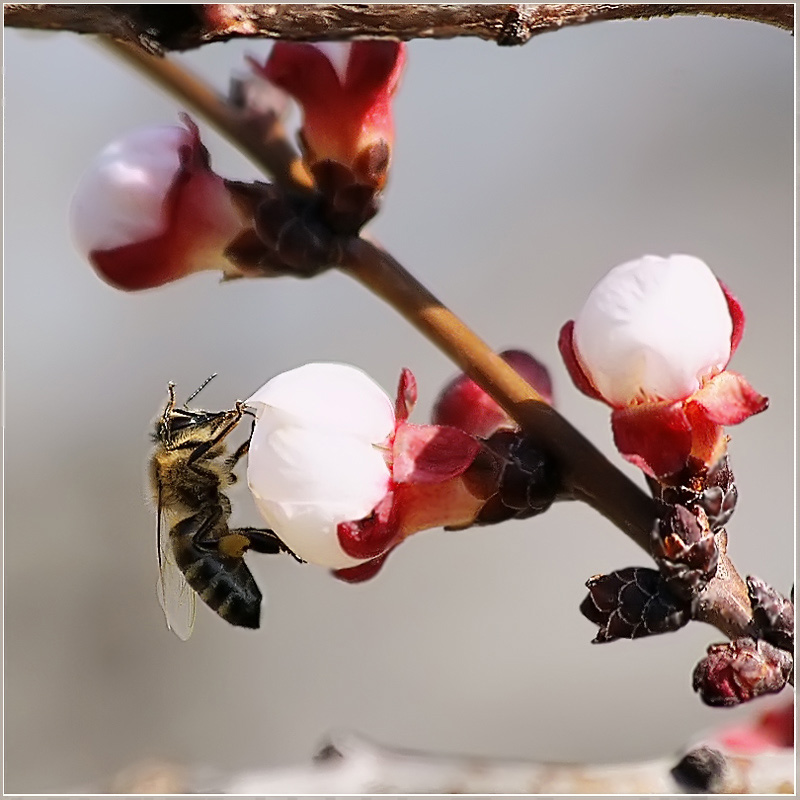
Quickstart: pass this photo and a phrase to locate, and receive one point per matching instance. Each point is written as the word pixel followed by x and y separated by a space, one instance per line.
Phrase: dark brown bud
pixel 773 614
pixel 349 200
pixel 633 602
pixel 528 480
pixel 738 671
pixel 292 233
pixel 684 548
pixel 712 490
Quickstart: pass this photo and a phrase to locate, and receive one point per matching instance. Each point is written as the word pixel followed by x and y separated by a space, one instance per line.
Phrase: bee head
pixel 193 429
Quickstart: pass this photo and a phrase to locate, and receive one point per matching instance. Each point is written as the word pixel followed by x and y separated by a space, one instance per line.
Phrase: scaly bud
pixel 633 602
pixel 713 490
pixel 741 670
pixel 685 550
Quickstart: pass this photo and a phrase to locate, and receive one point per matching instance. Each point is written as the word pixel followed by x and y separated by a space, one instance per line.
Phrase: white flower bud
pixel 120 198
pixel 652 329
pixel 317 456
pixel 150 210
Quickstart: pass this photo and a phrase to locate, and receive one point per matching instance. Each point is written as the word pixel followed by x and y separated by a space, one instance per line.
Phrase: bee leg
pixel 201 450
pixel 241 451
pixel 205 536
pixel 263 540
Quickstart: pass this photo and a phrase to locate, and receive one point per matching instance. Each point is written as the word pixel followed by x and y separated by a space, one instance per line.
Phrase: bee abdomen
pixel 224 584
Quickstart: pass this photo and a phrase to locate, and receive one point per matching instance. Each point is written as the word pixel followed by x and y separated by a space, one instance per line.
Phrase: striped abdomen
pixel 224 583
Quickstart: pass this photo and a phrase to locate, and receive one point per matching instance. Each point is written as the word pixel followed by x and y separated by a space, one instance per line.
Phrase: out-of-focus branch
pixel 353 765
pixel 268 148
pixel 182 27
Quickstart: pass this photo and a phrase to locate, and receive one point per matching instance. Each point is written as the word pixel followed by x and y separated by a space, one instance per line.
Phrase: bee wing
pixel 175 596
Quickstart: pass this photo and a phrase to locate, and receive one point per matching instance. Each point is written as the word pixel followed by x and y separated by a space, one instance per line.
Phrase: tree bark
pixel 160 28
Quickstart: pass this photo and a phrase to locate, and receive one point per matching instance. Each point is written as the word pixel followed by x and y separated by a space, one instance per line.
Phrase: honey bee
pixel 190 470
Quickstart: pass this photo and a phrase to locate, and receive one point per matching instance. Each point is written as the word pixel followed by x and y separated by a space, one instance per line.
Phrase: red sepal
pixel 728 399
pixel 566 346
pixel 339 117
pixel 657 438
pixel 431 453
pixel 737 317
pixel 361 572
pixel 373 535
pixel 406 395
pixel 303 71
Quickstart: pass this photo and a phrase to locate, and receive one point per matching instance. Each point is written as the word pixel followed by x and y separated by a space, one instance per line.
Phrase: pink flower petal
pixel 728 399
pixel 374 68
pixel 431 453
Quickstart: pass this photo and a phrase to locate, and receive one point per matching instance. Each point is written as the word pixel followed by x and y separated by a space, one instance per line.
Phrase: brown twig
pixel 586 473
pixel 182 27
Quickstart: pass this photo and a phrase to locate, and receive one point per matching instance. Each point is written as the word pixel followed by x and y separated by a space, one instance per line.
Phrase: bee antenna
pixel 199 389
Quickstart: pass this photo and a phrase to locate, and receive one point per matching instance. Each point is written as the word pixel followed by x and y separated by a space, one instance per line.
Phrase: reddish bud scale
pixel 713 490
pixel 738 671
pixel 773 614
pixel 685 550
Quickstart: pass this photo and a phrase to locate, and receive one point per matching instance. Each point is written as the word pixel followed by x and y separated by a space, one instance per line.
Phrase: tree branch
pixel 160 28
pixel 268 148
pixel 586 473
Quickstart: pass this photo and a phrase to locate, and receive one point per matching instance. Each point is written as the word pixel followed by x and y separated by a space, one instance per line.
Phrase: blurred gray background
pixel 520 177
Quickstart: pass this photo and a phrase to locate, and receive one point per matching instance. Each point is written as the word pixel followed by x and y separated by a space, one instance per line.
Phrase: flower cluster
pixel 150 209
pixel 337 469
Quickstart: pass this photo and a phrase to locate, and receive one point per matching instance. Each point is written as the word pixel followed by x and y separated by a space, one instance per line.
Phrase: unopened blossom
pixel 149 210
pixel 653 341
pixel 342 477
pixel 345 92
pixel 463 404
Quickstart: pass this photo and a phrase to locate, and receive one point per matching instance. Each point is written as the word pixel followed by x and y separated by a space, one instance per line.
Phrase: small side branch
pixel 160 28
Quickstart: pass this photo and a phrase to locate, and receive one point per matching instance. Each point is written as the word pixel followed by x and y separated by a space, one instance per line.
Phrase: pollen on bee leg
pixel 233 545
